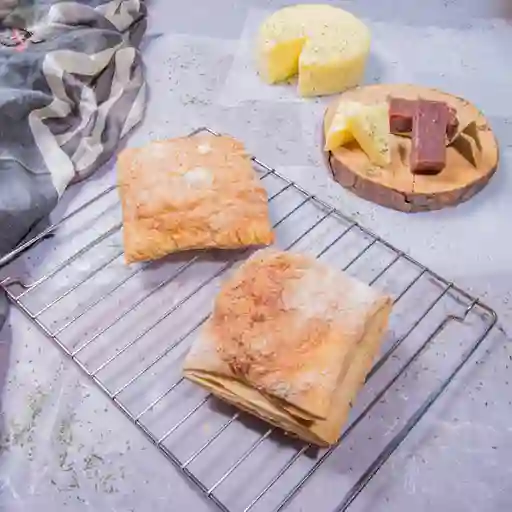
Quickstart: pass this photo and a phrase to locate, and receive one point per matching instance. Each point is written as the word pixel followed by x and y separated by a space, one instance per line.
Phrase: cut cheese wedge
pixel 370 127
pixel 327 47
pixel 338 132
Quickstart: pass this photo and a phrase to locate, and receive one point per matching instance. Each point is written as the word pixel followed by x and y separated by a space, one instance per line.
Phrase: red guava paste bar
pixel 428 153
pixel 401 112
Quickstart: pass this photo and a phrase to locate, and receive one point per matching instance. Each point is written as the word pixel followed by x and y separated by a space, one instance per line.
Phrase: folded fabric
pixel 71 87
pixel 290 340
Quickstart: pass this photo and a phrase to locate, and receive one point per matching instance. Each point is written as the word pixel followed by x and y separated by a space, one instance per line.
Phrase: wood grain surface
pixel 468 169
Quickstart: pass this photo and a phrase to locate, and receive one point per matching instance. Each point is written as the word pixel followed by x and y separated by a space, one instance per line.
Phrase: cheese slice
pixel 327 47
pixel 370 127
pixel 338 132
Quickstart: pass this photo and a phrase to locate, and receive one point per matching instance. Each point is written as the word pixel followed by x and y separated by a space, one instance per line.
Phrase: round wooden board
pixel 395 186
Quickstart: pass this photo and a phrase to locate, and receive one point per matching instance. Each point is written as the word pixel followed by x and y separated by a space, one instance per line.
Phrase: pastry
pixel 190 193
pixel 290 340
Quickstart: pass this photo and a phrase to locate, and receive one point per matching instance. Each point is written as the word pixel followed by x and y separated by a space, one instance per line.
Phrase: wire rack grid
pixel 128 329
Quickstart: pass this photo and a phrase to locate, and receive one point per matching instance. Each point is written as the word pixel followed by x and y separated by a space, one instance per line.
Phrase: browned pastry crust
pixel 190 193
pixel 291 341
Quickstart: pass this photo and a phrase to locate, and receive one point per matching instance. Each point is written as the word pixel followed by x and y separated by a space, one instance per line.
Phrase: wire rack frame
pixel 472 305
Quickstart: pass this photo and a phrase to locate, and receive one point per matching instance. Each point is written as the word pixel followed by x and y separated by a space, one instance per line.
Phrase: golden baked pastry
pixel 290 340
pixel 190 193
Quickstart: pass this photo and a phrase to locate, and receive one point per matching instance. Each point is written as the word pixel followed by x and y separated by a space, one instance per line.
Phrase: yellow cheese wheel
pixel 327 47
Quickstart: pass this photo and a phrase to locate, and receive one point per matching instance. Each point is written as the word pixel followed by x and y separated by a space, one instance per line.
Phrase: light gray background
pixel 458 458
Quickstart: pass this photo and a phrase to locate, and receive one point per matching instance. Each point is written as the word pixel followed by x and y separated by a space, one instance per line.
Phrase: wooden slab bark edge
pixel 396 187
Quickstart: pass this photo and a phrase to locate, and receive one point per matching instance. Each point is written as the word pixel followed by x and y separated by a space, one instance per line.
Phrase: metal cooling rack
pixel 128 329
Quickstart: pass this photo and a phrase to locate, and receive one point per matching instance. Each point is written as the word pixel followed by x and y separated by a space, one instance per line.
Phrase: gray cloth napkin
pixel 71 88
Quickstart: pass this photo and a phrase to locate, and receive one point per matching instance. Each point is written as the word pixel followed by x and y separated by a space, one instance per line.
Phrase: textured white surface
pixel 70 450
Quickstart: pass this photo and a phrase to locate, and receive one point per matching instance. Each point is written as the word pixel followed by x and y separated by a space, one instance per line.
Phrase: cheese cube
pixel 338 133
pixel 327 47
pixel 370 127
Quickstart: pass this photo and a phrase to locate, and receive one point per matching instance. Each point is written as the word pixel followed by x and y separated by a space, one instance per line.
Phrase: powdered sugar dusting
pixel 312 295
pixel 308 380
pixel 329 294
pixel 199 177
pixel 204 149
pixel 281 388
pixel 262 346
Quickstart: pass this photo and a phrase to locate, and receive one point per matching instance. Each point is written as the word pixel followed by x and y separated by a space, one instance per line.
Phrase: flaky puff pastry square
pixel 190 193
pixel 290 340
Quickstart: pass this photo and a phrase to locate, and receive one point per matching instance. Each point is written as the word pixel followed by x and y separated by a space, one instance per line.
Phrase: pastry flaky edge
pixel 190 193
pixel 219 363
